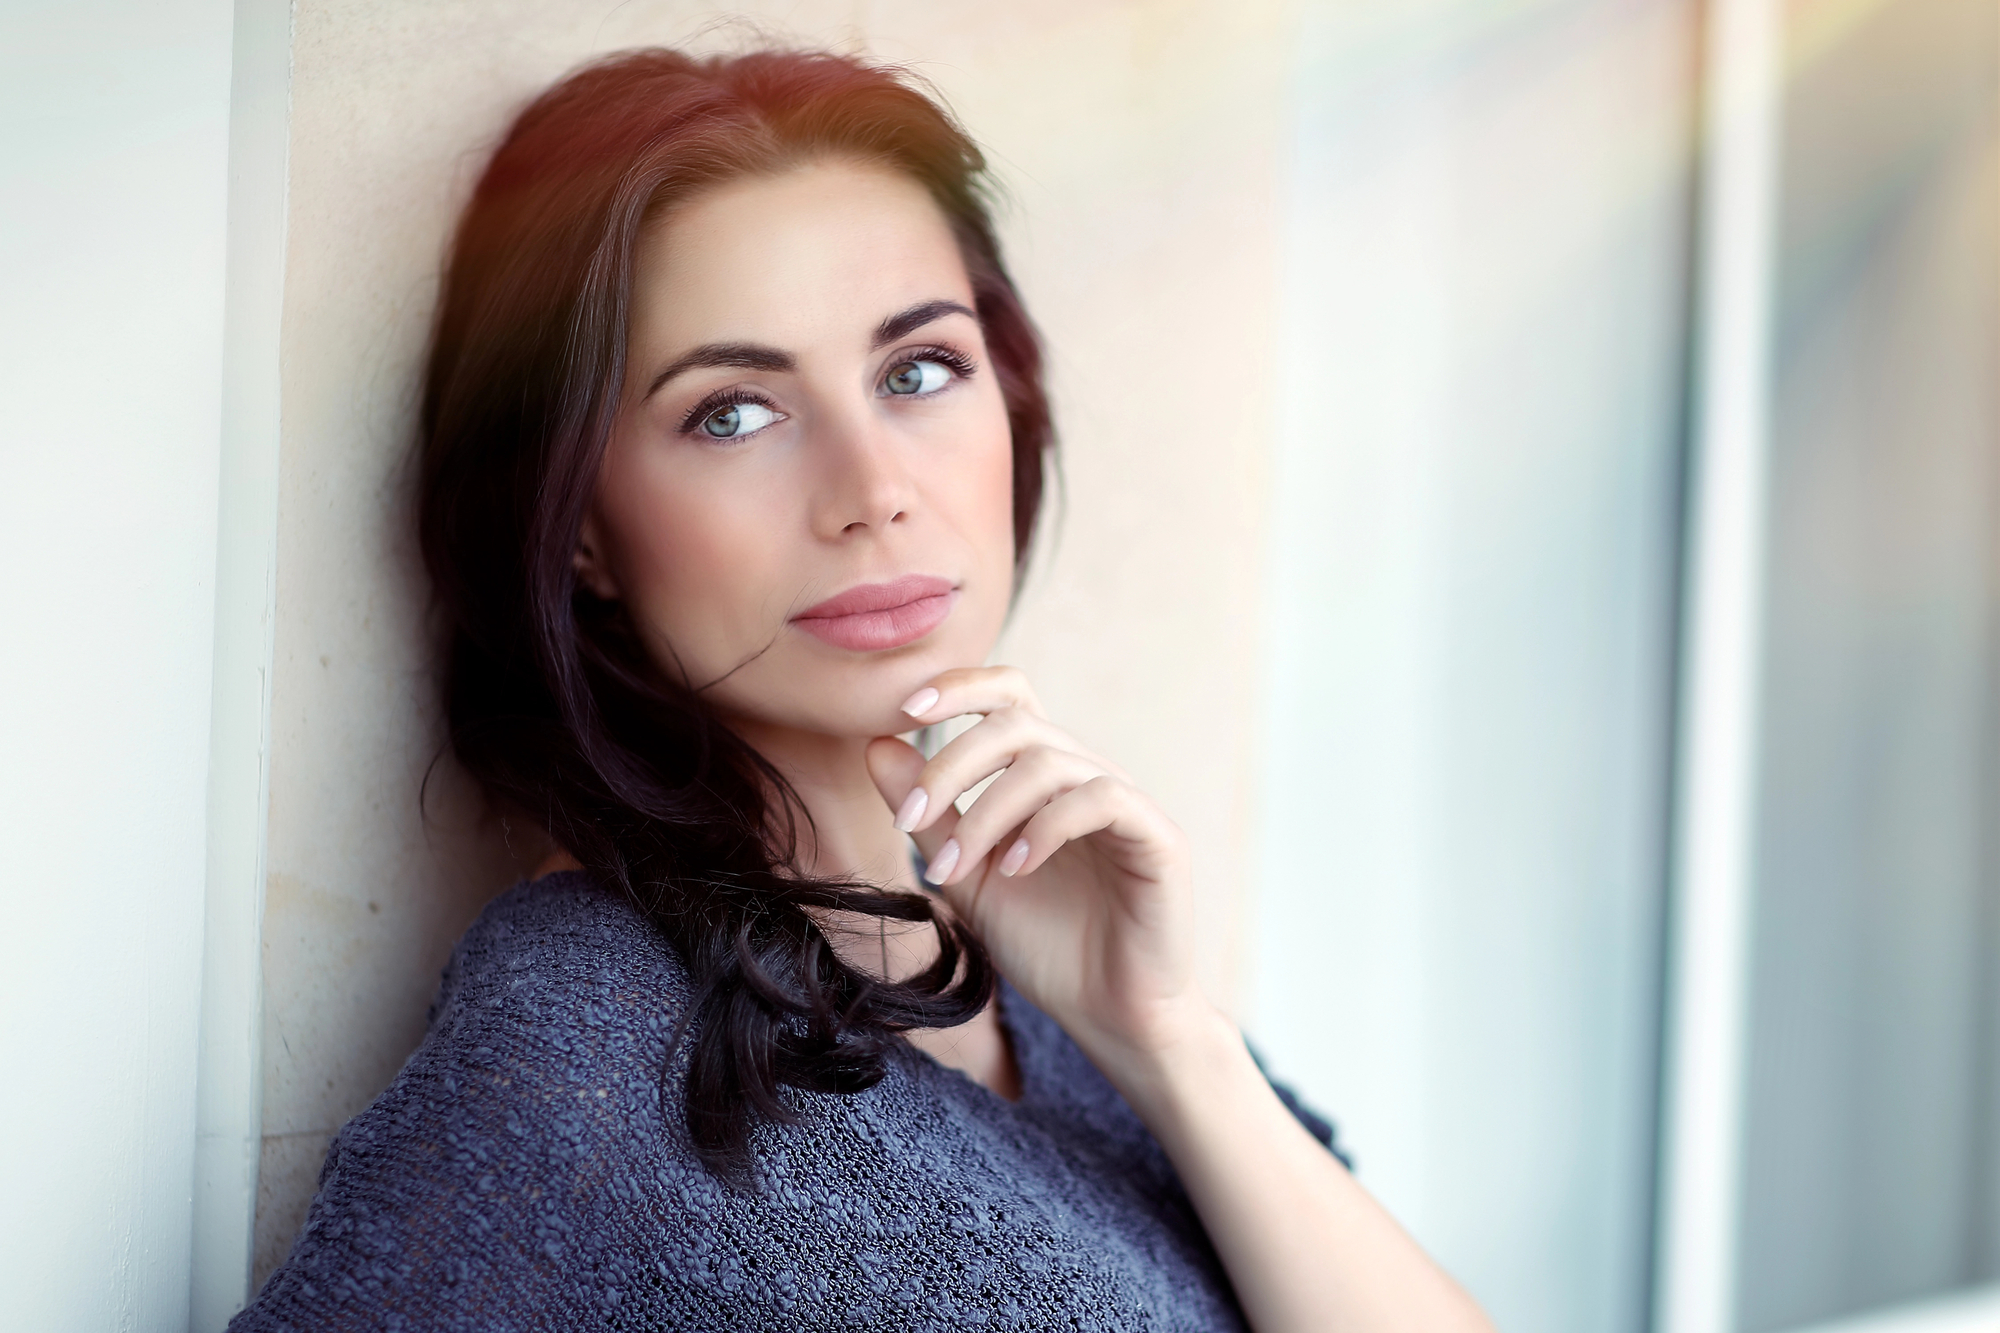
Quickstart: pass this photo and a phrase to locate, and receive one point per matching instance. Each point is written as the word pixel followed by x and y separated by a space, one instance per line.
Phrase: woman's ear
pixel 588 560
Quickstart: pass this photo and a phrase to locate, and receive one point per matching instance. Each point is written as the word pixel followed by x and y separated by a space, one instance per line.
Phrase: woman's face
pixel 806 503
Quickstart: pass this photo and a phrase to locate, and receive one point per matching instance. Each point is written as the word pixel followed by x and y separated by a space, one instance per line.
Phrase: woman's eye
pixel 737 419
pixel 917 377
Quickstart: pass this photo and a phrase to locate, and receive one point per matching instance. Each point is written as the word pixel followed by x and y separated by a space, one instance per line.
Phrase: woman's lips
pixel 875 616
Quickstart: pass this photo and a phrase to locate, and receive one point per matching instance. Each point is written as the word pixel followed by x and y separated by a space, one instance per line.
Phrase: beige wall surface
pixel 1140 144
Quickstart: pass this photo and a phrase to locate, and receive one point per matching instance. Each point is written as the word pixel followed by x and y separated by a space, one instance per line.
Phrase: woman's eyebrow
pixel 757 356
pixel 739 356
pixel 904 322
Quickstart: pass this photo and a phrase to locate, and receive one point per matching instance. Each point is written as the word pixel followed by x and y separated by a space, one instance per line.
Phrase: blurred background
pixel 1531 513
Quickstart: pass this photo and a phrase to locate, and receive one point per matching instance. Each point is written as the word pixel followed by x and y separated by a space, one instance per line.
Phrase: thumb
pixel 895 766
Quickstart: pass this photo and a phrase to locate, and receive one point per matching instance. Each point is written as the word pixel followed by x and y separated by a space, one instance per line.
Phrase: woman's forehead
pixel 822 250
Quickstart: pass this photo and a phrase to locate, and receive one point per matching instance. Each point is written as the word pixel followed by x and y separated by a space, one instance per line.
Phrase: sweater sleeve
pixel 407 1230
pixel 1316 1124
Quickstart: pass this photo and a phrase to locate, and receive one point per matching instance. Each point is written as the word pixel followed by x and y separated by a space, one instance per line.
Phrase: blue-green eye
pixel 912 377
pixel 737 419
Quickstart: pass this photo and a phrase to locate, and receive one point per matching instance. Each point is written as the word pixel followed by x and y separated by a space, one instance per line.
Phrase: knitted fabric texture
pixel 524 1171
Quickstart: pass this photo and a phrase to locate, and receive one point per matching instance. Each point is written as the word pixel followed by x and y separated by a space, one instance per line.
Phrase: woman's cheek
pixel 984 499
pixel 706 582
pixel 996 494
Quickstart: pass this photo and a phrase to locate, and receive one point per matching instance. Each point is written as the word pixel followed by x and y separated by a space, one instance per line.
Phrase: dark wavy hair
pixel 551 701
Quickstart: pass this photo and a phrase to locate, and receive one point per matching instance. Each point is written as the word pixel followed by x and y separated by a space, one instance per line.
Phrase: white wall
pixel 113 144
pixel 229 1109
pixel 1472 582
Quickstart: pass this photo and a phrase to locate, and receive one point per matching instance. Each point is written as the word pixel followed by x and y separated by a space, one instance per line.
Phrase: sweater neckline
pixel 1005 997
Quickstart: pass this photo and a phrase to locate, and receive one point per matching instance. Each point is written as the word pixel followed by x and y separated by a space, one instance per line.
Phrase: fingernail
pixel 1014 857
pixel 921 702
pixel 943 863
pixel 912 811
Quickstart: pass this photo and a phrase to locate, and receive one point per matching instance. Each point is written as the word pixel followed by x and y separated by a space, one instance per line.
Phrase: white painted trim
pixel 1721 656
pixel 229 1107
pixel 1974 1311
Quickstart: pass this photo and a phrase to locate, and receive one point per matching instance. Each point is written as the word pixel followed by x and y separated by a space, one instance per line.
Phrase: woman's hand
pixel 1079 886
pixel 1077 883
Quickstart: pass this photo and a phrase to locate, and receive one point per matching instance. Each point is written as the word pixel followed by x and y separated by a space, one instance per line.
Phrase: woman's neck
pixel 854 835
pixel 851 834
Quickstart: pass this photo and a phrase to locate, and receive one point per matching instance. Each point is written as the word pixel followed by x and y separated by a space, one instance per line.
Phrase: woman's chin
pixel 856 696
pixel 857 713
pixel 875 709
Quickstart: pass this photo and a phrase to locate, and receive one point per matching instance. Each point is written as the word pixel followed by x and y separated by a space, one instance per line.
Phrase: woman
pixel 733 441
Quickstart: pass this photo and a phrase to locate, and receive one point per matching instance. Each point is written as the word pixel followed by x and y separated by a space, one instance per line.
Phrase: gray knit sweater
pixel 521 1174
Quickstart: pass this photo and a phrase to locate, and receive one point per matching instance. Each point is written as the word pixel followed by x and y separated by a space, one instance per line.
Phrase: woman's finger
pixel 1101 804
pixel 895 766
pixel 965 690
pixel 986 748
pixel 1036 777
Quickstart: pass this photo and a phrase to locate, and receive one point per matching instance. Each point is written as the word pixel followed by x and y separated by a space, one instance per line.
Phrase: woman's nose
pixel 863 482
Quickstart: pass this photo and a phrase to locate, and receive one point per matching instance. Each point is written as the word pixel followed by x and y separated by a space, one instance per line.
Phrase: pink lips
pixel 876 616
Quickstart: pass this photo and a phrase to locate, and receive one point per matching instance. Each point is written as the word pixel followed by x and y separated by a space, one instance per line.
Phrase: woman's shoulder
pixel 539 1081
pixel 562 969
pixel 545 934
pixel 560 986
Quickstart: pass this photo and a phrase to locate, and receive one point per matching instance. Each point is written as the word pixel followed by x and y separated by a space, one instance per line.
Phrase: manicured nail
pixel 921 702
pixel 912 811
pixel 1016 854
pixel 943 863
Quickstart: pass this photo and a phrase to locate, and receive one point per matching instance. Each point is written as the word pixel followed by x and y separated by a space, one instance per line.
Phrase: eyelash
pixel 960 365
pixel 957 362
pixel 718 400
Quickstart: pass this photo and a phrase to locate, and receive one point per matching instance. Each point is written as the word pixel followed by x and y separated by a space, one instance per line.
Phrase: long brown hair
pixel 551 701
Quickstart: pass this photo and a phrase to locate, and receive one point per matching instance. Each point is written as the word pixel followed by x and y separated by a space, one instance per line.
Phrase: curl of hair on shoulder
pixel 550 700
